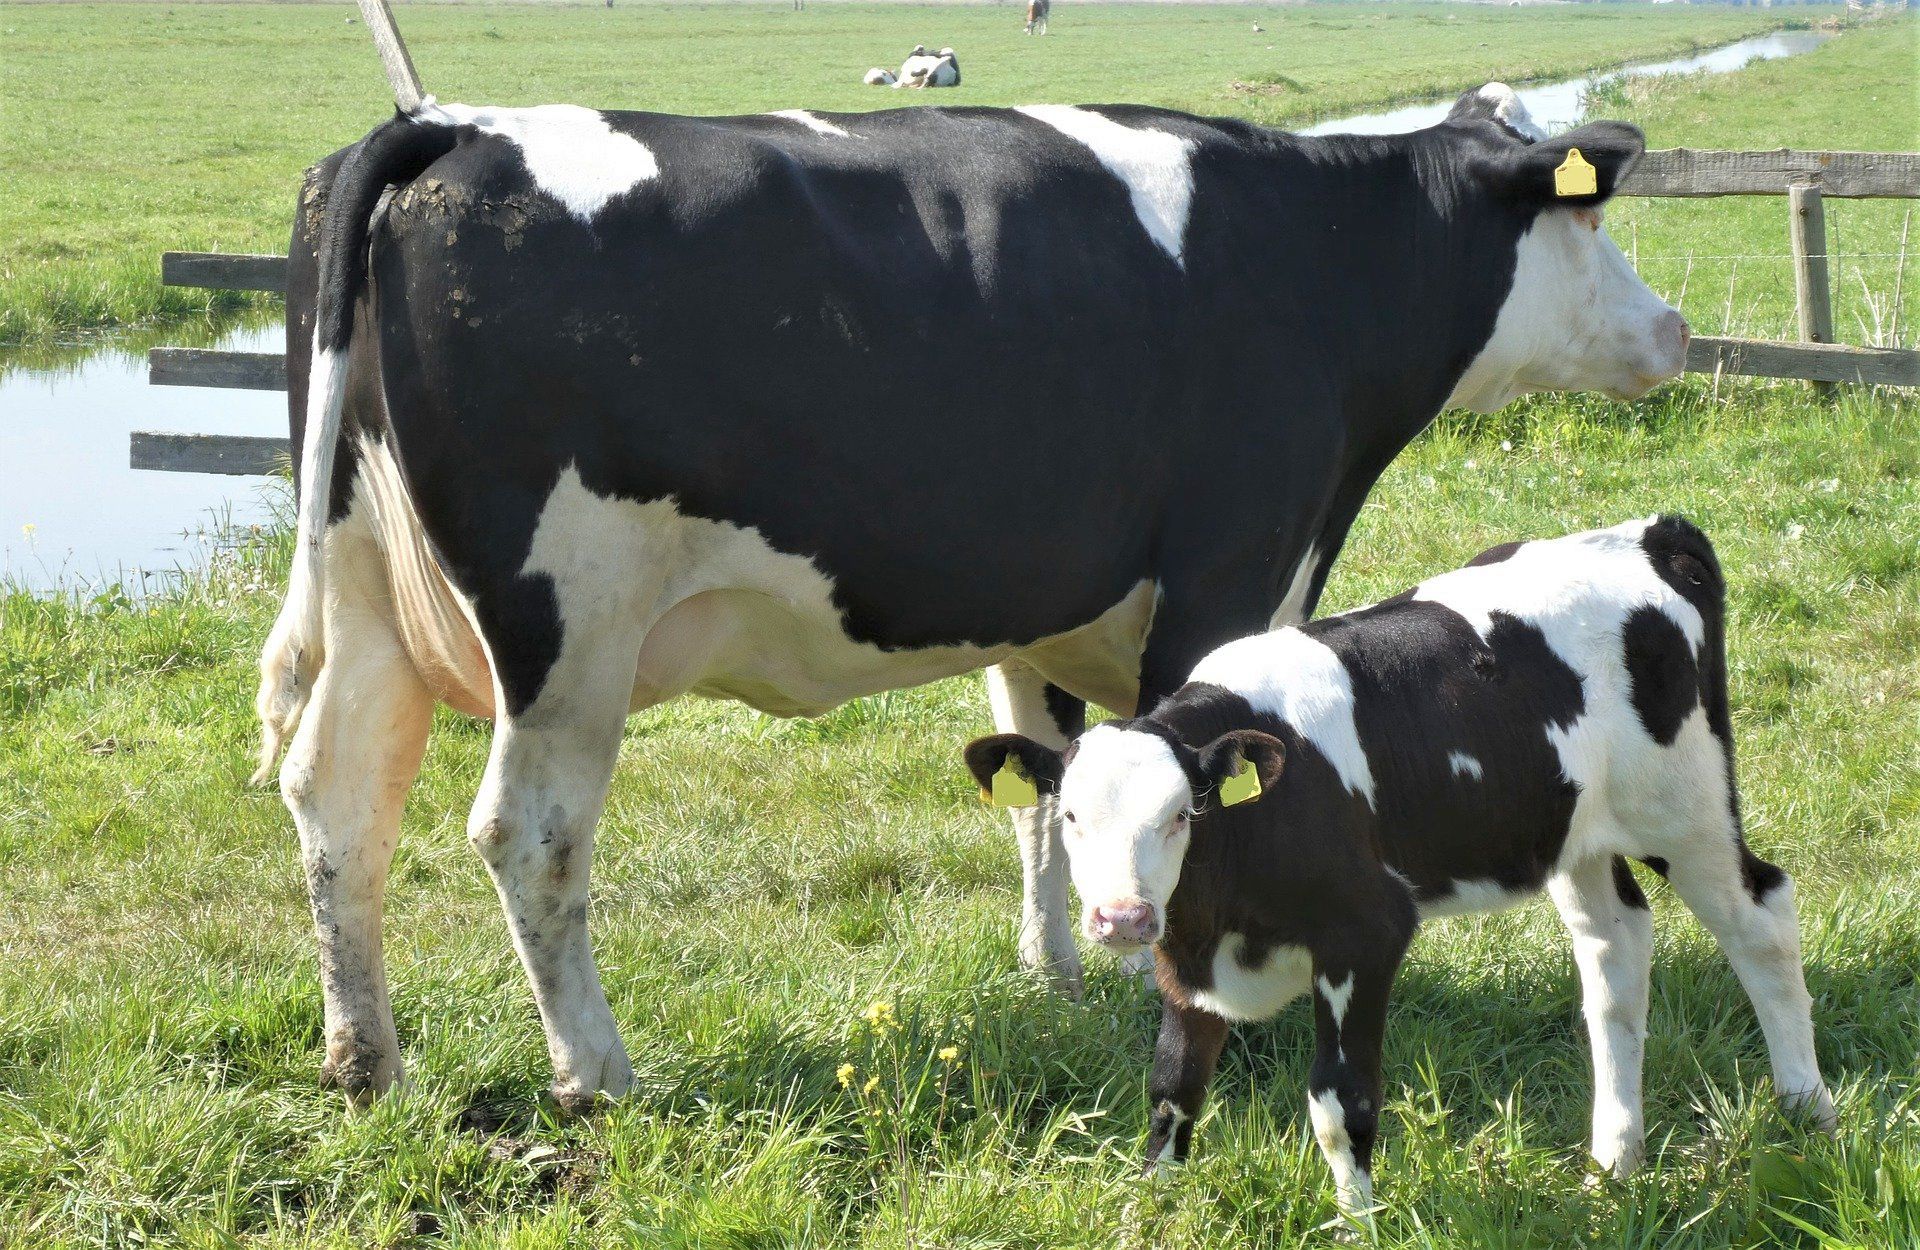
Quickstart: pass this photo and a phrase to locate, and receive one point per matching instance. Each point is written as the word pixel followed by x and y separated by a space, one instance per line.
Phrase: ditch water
pixel 74 516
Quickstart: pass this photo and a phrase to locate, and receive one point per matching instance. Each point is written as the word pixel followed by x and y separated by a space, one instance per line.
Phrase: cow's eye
pixel 1067 816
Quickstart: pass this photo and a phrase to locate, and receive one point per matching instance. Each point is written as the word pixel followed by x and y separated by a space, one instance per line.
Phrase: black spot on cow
pixel 1068 712
pixel 1494 555
pixel 1760 877
pixel 1657 863
pixel 1662 677
pixel 1626 887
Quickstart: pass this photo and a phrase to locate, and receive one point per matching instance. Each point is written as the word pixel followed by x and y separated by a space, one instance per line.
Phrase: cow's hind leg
pixel 533 824
pixel 1024 703
pixel 1747 904
pixel 345 779
pixel 1612 928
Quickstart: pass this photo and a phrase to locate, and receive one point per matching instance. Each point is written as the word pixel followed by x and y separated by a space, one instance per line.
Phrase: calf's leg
pixel 1023 703
pixel 1344 1085
pixel 1612 929
pixel 1183 1063
pixel 345 779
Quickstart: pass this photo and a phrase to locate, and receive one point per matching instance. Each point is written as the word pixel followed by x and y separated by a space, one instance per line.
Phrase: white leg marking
pixel 1154 166
pixel 1017 695
pixel 1613 948
pixel 1353 1188
pixel 1337 997
pixel 1293 605
pixel 1165 1158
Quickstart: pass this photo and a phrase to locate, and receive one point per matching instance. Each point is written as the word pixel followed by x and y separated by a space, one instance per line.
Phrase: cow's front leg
pixel 1183 1063
pixel 533 823
pixel 1344 1086
pixel 1024 703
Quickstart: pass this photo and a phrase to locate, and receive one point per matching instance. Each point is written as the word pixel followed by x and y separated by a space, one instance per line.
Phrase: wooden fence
pixel 1805 178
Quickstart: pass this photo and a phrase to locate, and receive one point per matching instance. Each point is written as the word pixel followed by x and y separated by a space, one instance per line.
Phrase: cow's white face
pixel 1578 318
pixel 1126 811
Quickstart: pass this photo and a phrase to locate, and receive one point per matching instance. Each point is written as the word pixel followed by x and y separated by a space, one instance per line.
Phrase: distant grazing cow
pixel 1534 719
pixel 577 417
pixel 930 69
pixel 1037 11
pixel 877 77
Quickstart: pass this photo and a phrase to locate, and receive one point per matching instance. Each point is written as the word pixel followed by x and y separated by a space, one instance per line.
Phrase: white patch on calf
pixel 1468 897
pixel 1293 604
pixel 571 152
pixel 1299 679
pixel 1242 993
pixel 819 125
pixel 1155 167
pixel 1337 996
pixel 1121 798
pixel 1465 765
pixel 1353 1188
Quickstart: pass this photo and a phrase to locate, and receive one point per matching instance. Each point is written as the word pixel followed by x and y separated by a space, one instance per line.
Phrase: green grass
pixel 132 129
pixel 759 882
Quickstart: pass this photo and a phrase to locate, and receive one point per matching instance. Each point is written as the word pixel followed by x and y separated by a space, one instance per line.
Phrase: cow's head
pixel 1129 793
pixel 1577 317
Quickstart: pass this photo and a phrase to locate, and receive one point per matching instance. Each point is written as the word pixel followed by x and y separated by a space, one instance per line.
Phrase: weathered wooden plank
pixel 1811 362
pixel 199 366
pixel 1702 171
pixel 233 454
pixel 1812 291
pixel 224 271
pixel 401 74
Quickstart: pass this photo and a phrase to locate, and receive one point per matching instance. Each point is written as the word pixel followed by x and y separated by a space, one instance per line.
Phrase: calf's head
pixel 1576 316
pixel 1129 794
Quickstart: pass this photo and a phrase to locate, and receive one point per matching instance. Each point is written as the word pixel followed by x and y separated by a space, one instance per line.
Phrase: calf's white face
pixel 1126 809
pixel 1578 318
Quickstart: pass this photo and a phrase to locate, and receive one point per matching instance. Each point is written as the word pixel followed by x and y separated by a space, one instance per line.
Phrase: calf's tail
pixel 391 155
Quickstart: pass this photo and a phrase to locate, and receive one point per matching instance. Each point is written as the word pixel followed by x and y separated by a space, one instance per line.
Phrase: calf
pixel 1283 821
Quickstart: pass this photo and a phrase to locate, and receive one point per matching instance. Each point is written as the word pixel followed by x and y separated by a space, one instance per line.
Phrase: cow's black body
pixel 943 359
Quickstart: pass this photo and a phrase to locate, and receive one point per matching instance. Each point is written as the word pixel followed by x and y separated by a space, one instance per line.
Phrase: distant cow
pixel 577 428
pixel 930 69
pixel 1534 719
pixel 877 77
pixel 1037 11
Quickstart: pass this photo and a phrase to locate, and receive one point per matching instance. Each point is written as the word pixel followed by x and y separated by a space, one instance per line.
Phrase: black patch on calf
pixel 1068 712
pixel 1760 877
pixel 1494 555
pixel 1626 887
pixel 1657 863
pixel 1662 677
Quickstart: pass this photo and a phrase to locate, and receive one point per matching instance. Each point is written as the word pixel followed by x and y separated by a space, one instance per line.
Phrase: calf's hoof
pixel 1062 971
pixel 1815 1107
pixel 586 1092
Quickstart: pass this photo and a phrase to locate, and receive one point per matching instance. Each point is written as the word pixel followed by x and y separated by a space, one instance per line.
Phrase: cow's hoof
pixel 362 1073
pixel 1815 1108
pixel 577 1096
pixel 1063 972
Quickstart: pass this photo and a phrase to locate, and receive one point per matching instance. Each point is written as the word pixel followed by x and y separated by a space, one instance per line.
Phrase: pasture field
pixel 132 128
pixel 760 882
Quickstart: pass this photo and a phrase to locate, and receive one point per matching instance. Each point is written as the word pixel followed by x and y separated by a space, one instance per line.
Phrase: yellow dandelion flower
pixel 879 1016
pixel 949 1054
pixel 873 1083
pixel 845 1075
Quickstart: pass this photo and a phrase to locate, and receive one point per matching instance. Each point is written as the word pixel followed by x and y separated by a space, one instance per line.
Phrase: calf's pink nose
pixel 1131 921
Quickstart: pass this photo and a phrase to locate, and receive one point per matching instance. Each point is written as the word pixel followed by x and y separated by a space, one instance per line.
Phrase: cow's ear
pixel 1242 765
pixel 1578 169
pixel 1040 765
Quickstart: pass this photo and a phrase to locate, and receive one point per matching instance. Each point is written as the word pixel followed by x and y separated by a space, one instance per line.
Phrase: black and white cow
pixel 583 425
pixel 1532 720
pixel 929 69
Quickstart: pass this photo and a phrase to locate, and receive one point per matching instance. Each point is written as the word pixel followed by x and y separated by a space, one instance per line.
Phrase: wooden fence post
pixel 393 54
pixel 1812 289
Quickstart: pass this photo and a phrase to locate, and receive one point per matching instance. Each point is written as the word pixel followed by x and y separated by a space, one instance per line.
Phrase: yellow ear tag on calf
pixel 1242 787
pixel 1575 176
pixel 1012 787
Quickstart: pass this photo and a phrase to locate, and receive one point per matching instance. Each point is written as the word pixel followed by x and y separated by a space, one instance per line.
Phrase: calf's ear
pixel 1578 169
pixel 1242 765
pixel 986 757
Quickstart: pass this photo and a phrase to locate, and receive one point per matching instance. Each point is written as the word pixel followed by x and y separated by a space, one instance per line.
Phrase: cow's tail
pixel 391 155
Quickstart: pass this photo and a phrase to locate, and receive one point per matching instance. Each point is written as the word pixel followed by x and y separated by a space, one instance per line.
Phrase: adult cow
pixel 585 424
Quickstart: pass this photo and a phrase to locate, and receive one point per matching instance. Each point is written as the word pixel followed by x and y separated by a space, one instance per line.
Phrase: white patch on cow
pixel 1155 167
pixel 1576 318
pixel 1337 996
pixel 1243 993
pixel 1353 1188
pixel 1165 1158
pixel 1123 801
pixel 571 152
pixel 1288 674
pixel 1470 896
pixel 1465 765
pixel 877 77
pixel 1293 604
pixel 1509 109
pixel 819 125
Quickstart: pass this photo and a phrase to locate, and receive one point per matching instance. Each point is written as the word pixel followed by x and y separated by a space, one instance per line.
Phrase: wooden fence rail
pixel 1802 176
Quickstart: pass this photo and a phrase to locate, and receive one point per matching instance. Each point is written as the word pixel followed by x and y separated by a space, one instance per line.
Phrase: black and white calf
pixel 1532 720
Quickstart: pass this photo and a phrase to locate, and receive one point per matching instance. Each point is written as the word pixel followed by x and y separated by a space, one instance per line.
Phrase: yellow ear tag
pixel 1012 787
pixel 1242 787
pixel 1575 176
